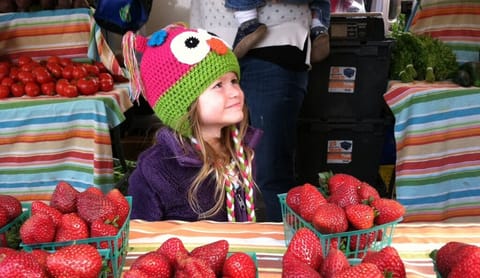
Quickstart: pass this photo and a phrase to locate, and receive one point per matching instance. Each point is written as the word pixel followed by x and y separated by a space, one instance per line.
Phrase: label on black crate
pixel 342 79
pixel 339 151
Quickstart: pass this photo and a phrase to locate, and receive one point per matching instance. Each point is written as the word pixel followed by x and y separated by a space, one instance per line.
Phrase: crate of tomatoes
pixel 54 76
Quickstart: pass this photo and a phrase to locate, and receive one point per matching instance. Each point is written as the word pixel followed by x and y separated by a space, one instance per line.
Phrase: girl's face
pixel 221 104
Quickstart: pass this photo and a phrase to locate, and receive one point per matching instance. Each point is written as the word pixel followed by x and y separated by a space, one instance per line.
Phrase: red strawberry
pixel 12 205
pixel 293 198
pixel 341 179
pixel 360 216
pixel 91 206
pixel 41 256
pixel 367 193
pixel 153 264
pixel 4 217
pixel 64 197
pixel 95 190
pixel 41 207
pixel 134 273
pixel 72 227
pixel 6 250
pixel 292 267
pixel 449 255
pixel 79 260
pixel 345 195
pixel 468 266
pixel 362 241
pixel 39 228
pixel 330 219
pixel 334 263
pixel 214 254
pixel 306 246
pixel 239 265
pixel 388 261
pixel 123 207
pixel 20 264
pixel 100 228
pixel 310 200
pixel 171 247
pixel 362 270
pixel 191 267
pixel 388 210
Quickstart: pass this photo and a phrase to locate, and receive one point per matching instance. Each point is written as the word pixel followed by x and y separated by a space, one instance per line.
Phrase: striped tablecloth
pixel 47 139
pixel 437 133
pixel 414 241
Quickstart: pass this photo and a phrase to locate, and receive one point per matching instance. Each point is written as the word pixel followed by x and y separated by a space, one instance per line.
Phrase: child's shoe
pixel 249 33
pixel 320 44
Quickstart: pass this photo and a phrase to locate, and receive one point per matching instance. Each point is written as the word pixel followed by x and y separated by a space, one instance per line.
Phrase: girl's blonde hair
pixel 213 163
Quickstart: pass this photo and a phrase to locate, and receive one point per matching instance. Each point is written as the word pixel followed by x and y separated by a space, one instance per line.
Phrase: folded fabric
pixel 457 23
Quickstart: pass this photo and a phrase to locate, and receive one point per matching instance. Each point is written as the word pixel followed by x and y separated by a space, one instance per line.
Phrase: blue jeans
pixel 321 7
pixel 274 96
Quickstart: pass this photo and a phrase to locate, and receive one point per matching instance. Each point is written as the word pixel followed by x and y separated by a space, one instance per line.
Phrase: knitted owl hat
pixel 177 65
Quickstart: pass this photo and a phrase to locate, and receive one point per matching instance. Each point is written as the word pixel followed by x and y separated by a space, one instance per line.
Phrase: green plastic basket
pixel 116 256
pixel 380 235
pixel 11 229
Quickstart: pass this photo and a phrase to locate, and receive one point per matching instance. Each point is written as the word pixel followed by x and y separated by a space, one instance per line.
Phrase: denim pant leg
pixel 274 97
pixel 243 5
pixel 322 8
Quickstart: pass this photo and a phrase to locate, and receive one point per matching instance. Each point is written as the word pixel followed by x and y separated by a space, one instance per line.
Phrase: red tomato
pixel 17 89
pixel 14 73
pixel 60 86
pixel 32 89
pixel 48 89
pixel 55 69
pixel 71 91
pixel 4 91
pixel 87 86
pixel 4 69
pixel 92 70
pixel 53 59
pixel 7 81
pixel 23 60
pixel 106 81
pixel 101 67
pixel 65 61
pixel 79 71
pixel 67 72
pixel 25 76
pixel 42 75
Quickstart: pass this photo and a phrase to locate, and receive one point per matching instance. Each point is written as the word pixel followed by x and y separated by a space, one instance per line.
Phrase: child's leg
pixel 319 30
pixel 250 30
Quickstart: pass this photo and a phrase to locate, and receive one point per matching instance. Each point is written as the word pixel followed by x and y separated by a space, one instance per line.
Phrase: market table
pixel 414 241
pixel 437 134
pixel 50 138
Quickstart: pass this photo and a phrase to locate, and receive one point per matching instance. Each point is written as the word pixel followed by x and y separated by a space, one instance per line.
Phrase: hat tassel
pixel 130 59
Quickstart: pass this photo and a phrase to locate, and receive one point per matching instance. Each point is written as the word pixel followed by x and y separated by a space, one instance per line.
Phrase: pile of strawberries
pixel 211 260
pixel 80 260
pixel 457 260
pixel 304 258
pixel 10 209
pixel 350 205
pixel 73 215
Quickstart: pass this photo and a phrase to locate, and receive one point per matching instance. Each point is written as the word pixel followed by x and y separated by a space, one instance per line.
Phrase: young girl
pixel 201 164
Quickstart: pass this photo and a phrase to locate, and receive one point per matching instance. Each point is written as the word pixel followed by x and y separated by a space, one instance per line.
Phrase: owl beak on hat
pixel 218 46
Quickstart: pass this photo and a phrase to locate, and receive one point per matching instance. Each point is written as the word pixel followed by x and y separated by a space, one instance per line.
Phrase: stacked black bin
pixel 344 119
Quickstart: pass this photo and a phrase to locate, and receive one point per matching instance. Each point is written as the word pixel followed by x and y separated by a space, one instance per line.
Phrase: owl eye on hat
pixel 177 66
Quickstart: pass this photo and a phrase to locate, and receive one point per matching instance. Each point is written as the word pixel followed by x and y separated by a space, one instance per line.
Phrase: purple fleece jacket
pixel 163 175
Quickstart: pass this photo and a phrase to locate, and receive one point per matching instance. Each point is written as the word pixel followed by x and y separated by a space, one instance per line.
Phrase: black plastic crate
pixel 349 146
pixel 350 83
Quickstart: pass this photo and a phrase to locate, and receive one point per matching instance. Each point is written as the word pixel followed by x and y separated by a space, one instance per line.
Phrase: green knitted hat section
pixel 174 104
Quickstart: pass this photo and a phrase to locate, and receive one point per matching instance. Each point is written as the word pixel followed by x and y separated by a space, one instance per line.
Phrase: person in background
pixel 274 80
pixel 201 164
pixel 251 30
